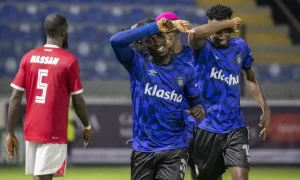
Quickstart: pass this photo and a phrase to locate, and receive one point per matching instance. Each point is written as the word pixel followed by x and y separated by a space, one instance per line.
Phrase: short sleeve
pixel 247 57
pixel 19 81
pixel 192 86
pixel 74 82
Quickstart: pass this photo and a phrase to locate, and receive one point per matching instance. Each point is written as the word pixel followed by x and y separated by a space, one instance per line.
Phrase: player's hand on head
pixel 165 25
pixel 197 112
pixel 182 25
pixel 12 146
pixel 86 136
pixel 236 24
pixel 187 25
pixel 265 123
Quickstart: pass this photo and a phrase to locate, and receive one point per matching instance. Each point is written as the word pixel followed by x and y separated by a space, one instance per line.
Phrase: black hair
pixel 219 12
pixel 145 21
pixel 54 24
pixel 138 44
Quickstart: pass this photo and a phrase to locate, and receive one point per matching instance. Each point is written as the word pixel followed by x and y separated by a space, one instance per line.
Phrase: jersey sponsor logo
pixel 180 81
pixel 152 72
pixel 231 80
pixel 154 91
pixel 44 60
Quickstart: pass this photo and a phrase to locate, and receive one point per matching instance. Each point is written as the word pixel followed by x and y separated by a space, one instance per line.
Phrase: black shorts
pixel 162 165
pixel 213 153
pixel 193 167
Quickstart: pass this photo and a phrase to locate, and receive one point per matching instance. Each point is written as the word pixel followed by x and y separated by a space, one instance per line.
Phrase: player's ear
pixel 63 33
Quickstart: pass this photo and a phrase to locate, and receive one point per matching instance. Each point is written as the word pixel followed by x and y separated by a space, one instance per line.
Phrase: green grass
pixel 123 173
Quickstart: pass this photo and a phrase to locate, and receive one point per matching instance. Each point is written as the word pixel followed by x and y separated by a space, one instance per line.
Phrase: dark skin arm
pixel 198 34
pixel 255 89
pixel 13 116
pixel 80 109
pixel 14 110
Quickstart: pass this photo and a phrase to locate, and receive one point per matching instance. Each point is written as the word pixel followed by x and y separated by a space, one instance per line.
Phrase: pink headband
pixel 167 15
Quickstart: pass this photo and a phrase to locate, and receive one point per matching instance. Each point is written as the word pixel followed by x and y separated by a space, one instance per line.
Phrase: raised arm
pixel 121 41
pixel 198 34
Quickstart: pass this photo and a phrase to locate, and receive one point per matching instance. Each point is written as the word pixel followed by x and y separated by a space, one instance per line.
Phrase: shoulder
pixel 238 42
pixel 185 66
pixel 68 55
pixel 70 60
pixel 206 47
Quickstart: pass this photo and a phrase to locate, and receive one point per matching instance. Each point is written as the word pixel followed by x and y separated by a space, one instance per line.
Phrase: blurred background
pixel 271 28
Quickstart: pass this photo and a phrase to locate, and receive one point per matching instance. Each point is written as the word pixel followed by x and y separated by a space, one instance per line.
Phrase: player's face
pixel 171 39
pixel 221 38
pixel 156 45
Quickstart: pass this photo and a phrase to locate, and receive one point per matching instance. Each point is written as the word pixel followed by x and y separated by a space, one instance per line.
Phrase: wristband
pixel 87 128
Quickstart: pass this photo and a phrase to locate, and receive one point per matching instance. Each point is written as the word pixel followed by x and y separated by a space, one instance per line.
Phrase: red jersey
pixel 49 75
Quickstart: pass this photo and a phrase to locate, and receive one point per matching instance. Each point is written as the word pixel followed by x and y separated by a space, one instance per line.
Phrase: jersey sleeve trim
pixel 17 87
pixel 77 92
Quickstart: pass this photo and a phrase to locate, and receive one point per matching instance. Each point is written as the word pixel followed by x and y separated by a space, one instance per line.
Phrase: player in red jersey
pixel 49 75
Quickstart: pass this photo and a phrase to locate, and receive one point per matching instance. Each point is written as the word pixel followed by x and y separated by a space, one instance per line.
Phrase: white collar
pixel 50 46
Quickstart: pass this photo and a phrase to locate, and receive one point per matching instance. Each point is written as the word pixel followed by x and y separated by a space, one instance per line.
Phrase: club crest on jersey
pixel 238 59
pixel 152 72
pixel 180 81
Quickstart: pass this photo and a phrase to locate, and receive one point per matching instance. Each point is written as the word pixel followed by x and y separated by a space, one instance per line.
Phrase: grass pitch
pixel 123 173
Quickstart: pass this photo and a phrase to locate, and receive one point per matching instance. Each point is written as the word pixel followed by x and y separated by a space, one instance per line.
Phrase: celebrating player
pixel 159 83
pixel 184 53
pixel 49 75
pixel 221 139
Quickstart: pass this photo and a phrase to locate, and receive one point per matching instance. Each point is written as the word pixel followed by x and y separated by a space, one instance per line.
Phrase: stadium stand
pixel 92 22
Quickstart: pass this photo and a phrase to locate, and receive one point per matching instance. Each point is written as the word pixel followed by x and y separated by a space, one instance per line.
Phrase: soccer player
pixel 221 138
pixel 49 75
pixel 184 53
pixel 159 83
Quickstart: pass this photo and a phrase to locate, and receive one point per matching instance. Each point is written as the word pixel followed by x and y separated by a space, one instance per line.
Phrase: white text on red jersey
pixel 44 60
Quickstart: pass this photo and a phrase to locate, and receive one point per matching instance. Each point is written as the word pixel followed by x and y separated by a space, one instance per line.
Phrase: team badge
pixel 180 81
pixel 238 59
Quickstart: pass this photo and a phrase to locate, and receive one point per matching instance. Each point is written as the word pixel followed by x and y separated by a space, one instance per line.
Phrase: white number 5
pixel 42 86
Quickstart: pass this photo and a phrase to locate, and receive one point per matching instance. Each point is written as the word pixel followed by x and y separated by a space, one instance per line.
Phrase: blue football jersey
pixel 187 55
pixel 157 97
pixel 219 72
